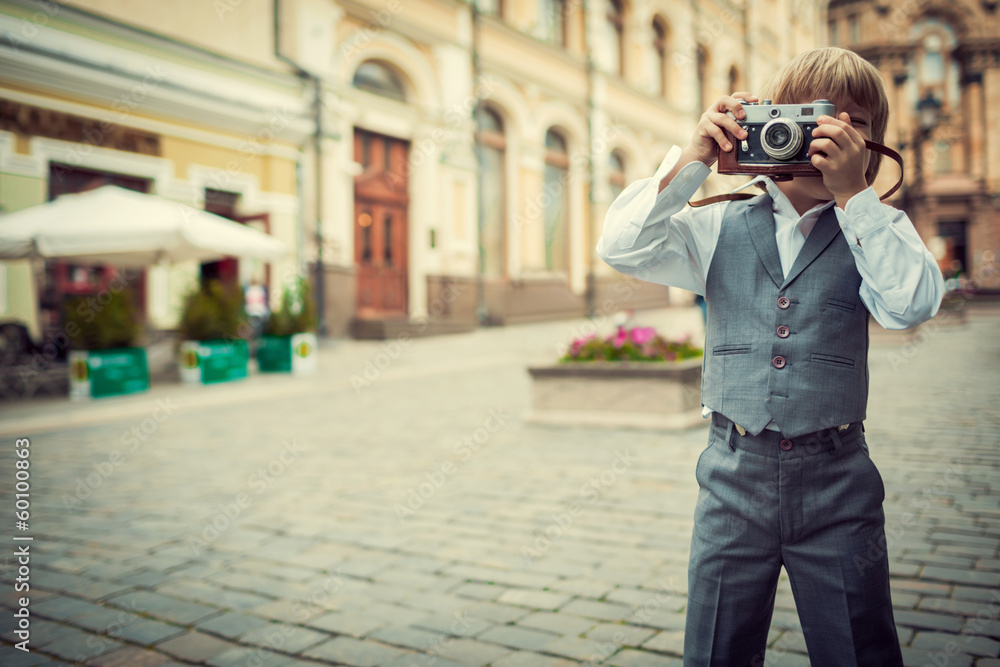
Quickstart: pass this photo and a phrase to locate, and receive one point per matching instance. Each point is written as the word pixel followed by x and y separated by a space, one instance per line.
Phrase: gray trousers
pixel 812 504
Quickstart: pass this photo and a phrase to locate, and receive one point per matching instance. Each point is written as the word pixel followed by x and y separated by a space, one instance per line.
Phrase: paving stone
pixel 576 648
pixel 353 623
pixel 470 651
pixel 604 611
pixel 478 591
pixel 783 659
pixel 980 626
pixel 496 613
pixel 163 606
pixel 529 659
pixel 231 624
pixel 148 632
pixel 951 606
pixel 460 625
pixel 955 576
pixel 80 646
pixel 415 638
pixel 245 656
pixel 622 635
pixel 195 646
pixel 922 657
pixel 283 637
pixel 557 622
pixel 583 586
pixel 636 658
pixel 927 621
pixel 671 641
pixel 534 599
pixel 16 658
pixel 516 637
pixel 423 660
pixel 358 653
pixel 981 646
pixel 130 656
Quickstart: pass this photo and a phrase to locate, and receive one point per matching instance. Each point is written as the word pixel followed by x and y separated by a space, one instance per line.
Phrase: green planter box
pixel 295 354
pixel 211 361
pixel 100 373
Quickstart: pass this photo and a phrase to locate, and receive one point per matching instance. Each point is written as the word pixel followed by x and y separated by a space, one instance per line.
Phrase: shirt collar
pixel 780 201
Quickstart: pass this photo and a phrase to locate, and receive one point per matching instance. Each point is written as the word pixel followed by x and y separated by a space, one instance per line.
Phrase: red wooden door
pixel 380 225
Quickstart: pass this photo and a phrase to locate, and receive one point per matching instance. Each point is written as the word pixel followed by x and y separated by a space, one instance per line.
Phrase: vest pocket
pixel 841 362
pixel 722 350
pixel 840 304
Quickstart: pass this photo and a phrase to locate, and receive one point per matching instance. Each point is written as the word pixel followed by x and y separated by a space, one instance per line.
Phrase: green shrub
pixel 213 311
pixel 297 313
pixel 104 321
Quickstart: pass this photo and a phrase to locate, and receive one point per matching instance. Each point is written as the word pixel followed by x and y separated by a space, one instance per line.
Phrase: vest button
pixel 778 361
pixel 783 332
pixel 783 302
pixel 785 444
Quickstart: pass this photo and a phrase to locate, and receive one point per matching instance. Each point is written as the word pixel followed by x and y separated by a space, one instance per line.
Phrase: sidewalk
pixel 396 510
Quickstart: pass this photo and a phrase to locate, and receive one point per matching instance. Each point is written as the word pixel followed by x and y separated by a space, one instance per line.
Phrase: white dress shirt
pixel 652 235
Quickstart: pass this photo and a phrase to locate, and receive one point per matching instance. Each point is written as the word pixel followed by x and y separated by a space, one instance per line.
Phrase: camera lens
pixel 778 136
pixel 781 139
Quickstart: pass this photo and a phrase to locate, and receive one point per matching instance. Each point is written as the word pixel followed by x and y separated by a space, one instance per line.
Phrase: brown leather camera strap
pixel 871 145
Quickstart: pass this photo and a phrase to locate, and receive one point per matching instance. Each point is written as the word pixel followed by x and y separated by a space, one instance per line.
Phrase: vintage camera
pixel 778 139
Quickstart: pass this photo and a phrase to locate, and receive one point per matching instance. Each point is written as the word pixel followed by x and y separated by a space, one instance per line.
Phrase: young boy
pixel 790 278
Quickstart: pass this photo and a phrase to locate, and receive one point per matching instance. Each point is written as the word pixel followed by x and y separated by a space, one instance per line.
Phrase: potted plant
pixel 104 359
pixel 633 377
pixel 289 341
pixel 213 330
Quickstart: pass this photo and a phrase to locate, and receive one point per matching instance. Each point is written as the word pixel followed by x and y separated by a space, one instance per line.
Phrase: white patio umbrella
pixel 112 225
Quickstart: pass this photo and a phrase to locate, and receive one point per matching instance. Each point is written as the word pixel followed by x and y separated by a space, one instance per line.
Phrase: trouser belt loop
pixel 729 435
pixel 835 443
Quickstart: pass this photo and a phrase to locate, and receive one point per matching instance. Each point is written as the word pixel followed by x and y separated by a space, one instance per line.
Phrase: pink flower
pixel 643 335
pixel 620 337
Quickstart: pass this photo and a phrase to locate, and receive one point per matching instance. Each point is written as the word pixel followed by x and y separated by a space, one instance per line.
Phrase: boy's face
pixel 861 121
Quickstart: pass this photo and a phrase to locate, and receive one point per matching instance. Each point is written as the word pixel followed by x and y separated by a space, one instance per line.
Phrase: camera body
pixel 778 139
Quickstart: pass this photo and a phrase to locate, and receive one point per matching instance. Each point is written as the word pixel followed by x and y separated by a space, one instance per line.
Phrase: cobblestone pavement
pixel 398 510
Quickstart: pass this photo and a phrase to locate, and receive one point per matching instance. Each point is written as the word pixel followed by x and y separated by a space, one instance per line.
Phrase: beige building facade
pixel 440 164
pixel 941 61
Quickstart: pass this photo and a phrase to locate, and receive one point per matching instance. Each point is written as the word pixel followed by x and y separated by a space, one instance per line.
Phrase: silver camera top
pixel 797 113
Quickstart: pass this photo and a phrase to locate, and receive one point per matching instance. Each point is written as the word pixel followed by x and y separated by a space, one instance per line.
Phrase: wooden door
pixel 380 225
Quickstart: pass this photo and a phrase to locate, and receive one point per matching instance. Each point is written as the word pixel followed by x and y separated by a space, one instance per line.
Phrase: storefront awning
pixel 112 225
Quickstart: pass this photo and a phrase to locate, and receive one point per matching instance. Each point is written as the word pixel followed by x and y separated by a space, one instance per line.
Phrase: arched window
pixel 933 70
pixel 615 25
pixel 616 173
pixel 735 83
pixel 378 78
pixel 556 195
pixel 661 36
pixel 552 21
pixel 491 145
pixel 704 60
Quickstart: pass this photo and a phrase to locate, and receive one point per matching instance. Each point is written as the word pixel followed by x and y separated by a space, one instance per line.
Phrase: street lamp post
pixel 928 109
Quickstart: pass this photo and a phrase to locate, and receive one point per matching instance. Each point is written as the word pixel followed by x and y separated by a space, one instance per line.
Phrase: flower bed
pixel 633 378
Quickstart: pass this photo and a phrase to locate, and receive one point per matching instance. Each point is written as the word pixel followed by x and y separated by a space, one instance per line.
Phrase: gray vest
pixel 790 348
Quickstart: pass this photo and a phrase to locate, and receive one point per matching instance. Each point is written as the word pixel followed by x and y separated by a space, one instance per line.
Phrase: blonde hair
pixel 834 73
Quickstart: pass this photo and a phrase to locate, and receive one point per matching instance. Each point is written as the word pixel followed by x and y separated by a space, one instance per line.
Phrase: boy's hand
pixel 838 151
pixel 709 137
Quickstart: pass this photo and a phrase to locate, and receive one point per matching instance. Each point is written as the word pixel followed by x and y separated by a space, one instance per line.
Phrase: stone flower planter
pixel 648 395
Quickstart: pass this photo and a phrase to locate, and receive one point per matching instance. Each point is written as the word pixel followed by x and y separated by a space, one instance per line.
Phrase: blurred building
pixel 942 63
pixel 439 164
pixel 171 98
